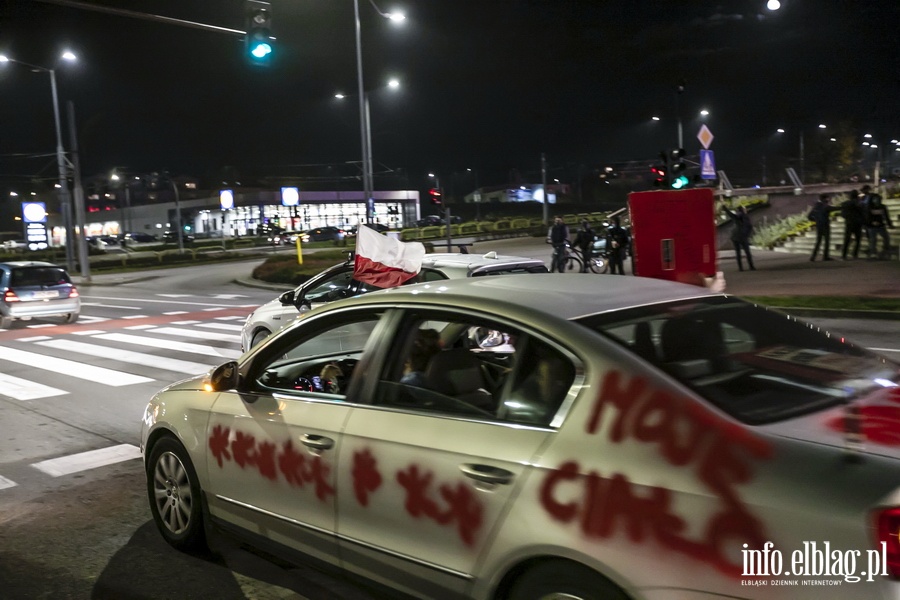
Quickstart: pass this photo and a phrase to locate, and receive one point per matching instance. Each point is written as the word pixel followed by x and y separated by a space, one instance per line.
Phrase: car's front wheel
pixel 174 493
pixel 258 337
pixel 561 579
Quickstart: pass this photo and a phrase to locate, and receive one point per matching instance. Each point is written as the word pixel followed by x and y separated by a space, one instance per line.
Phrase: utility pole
pixel 544 182
pixel 83 259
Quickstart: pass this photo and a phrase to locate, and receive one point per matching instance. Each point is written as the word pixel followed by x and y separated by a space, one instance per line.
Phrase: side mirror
pixel 224 377
pixel 287 298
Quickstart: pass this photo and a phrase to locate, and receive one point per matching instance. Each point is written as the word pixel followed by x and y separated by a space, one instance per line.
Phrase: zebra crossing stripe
pixel 22 389
pixel 169 345
pixel 71 368
pixel 138 358
pixel 6 483
pixel 221 326
pixel 83 461
pixel 201 335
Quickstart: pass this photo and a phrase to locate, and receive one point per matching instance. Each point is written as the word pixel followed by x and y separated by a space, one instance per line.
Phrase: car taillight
pixel 887 530
pixel 10 296
pixel 73 292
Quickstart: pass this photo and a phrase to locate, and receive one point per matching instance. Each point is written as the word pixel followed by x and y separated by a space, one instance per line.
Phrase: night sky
pixel 486 84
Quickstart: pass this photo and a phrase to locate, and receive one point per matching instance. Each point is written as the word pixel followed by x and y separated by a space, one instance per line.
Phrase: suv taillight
pixel 887 530
pixel 10 296
pixel 73 292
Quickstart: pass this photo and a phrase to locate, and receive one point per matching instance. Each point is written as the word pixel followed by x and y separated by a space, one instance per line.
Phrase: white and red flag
pixel 384 261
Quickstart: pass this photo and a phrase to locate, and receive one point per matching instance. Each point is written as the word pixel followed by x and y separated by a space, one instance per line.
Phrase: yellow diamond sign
pixel 705 136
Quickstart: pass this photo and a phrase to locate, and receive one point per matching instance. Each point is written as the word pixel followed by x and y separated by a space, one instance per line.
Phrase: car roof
pixel 474 262
pixel 29 263
pixel 567 296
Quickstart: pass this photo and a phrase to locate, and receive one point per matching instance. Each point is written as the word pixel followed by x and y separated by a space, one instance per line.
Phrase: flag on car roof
pixel 384 261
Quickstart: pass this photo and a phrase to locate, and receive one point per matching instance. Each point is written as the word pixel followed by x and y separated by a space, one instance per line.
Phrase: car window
pixel 469 367
pixel 339 285
pixel 757 365
pixel 320 363
pixel 38 276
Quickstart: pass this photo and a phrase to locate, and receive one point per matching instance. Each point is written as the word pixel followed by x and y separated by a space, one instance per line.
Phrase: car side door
pixel 273 443
pixel 428 466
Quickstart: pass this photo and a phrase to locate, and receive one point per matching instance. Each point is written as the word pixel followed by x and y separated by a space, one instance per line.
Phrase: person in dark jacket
pixel 617 242
pixel 558 235
pixel 584 240
pixel 854 217
pixel 821 216
pixel 740 235
pixel 877 222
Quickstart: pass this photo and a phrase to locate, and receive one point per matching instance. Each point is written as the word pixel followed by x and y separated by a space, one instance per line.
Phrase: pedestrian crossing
pixel 47 365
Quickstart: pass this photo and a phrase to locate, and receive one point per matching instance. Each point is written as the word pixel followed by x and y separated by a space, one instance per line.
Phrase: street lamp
pixel 64 200
pixel 364 126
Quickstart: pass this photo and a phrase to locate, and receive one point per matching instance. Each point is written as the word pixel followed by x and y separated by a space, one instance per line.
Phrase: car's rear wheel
pixel 71 317
pixel 563 580
pixel 5 322
pixel 258 337
pixel 174 492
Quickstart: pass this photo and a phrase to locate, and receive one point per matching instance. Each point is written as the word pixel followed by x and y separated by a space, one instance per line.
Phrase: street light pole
pixel 178 216
pixel 65 206
pixel 363 117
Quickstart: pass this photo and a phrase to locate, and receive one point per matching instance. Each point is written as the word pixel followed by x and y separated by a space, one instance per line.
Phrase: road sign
pixel 705 136
pixel 707 164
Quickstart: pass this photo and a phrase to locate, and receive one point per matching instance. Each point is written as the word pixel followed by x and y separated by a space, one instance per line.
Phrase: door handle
pixel 487 474
pixel 317 442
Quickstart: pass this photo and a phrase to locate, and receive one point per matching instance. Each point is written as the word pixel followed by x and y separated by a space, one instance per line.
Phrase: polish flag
pixel 384 261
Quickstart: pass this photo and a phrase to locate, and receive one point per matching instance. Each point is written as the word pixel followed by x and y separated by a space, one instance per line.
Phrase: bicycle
pixel 598 262
pixel 570 262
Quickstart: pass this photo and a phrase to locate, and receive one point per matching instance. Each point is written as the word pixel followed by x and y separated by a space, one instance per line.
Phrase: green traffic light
pixel 680 182
pixel 261 50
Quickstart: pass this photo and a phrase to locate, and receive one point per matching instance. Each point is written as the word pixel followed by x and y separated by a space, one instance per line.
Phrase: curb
pixel 839 313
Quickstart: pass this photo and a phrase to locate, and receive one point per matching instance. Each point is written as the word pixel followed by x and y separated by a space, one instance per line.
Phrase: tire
pixel 71 317
pixel 5 322
pixel 561 579
pixel 258 337
pixel 599 264
pixel 573 265
pixel 174 493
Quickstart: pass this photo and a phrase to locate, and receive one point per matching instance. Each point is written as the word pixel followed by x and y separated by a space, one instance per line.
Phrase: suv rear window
pixel 38 276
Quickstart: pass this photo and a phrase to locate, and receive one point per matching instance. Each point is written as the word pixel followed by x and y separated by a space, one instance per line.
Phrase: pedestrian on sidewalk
pixel 854 217
pixel 617 243
pixel 877 222
pixel 584 240
pixel 821 216
pixel 740 235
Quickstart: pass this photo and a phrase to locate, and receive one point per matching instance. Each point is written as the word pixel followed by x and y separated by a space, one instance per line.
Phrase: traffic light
pixel 259 33
pixel 435 195
pixel 678 166
pixel 659 173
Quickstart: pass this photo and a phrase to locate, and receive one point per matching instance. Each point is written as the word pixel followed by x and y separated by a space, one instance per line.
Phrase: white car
pixel 546 436
pixel 337 282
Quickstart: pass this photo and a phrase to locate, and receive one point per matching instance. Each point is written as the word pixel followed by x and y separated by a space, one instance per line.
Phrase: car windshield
pixel 758 365
pixel 38 276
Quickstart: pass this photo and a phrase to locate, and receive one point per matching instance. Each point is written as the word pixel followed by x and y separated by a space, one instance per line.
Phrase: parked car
pixel 15 245
pixel 337 282
pixel 138 237
pixel 431 220
pixel 571 437
pixel 171 237
pixel 322 234
pixel 36 289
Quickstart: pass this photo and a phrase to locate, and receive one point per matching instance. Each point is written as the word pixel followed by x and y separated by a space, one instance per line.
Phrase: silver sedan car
pixel 546 436
pixel 36 289
pixel 337 282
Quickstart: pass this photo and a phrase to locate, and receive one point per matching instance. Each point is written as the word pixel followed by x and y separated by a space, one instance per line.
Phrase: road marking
pixel 138 358
pixel 136 327
pixel 231 318
pixel 86 319
pixel 167 302
pixel 41 325
pixel 221 326
pixel 89 332
pixel 884 349
pixel 35 338
pixel 83 461
pixel 215 308
pixel 135 317
pixel 22 389
pixel 176 312
pixel 110 306
pixel 170 345
pixel 229 296
pixel 71 368
pixel 190 333
pixel 185 322
pixel 6 483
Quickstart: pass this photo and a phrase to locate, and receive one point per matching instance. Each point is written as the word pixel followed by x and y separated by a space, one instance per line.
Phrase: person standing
pixel 877 222
pixel 821 216
pixel 558 235
pixel 584 239
pixel 740 235
pixel 854 217
pixel 617 242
